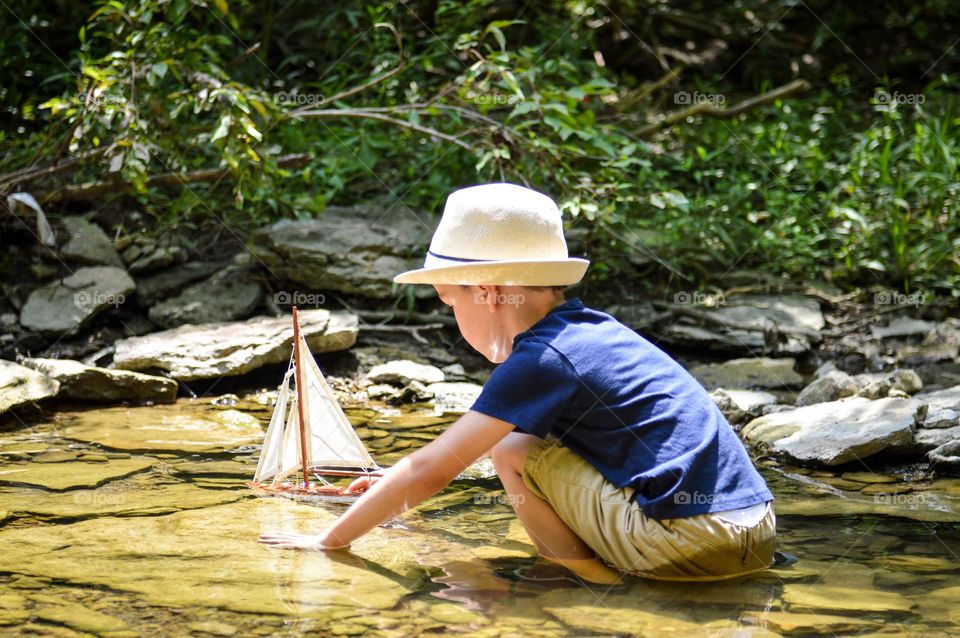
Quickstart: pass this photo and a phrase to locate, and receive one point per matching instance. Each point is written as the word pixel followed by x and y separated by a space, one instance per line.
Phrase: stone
pixel 796 623
pixel 215 350
pixel 804 596
pixel 61 309
pixel 81 382
pixel 838 431
pixel 163 428
pixel 230 294
pixel 184 552
pixel 902 327
pixel 349 250
pixel 926 439
pixel 453 397
pixel 876 385
pixel 165 283
pixel 402 372
pixel 72 474
pixel 868 477
pixel 946 458
pixel 145 255
pixel 761 372
pixel 943 409
pixel 88 244
pixel 616 614
pixel 789 312
pixel 20 385
pixel 830 387
pixel 739 406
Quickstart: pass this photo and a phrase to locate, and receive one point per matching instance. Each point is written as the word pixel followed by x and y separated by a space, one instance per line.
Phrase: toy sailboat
pixel 314 437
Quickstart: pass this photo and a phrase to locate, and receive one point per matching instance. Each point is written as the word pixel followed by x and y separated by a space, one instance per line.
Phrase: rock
pixel 382 391
pixel 348 250
pixel 222 349
pixel 927 439
pixel 739 406
pixel 903 327
pixel 830 387
pixel 617 614
pixel 787 312
pixel 761 372
pixel 157 286
pixel 839 431
pixel 185 551
pixel 229 295
pixel 803 596
pixel 20 385
pixel 59 310
pixel 877 385
pixel 71 474
pixel 402 371
pixel 946 458
pixel 79 617
pixel 824 369
pixel 88 383
pixel 915 355
pixel 181 428
pixel 453 397
pixel 145 255
pixel 809 624
pixel 944 407
pixel 88 244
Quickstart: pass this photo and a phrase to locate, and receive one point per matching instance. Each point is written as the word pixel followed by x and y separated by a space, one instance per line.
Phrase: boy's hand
pixel 361 485
pixel 289 540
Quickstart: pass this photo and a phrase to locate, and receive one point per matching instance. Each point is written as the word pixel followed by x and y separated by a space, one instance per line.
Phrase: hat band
pixel 430 253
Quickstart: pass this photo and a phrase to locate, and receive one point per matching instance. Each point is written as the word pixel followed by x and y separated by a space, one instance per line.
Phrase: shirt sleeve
pixel 530 389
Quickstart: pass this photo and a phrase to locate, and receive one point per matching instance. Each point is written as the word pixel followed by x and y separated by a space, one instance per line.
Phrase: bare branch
pixel 364 113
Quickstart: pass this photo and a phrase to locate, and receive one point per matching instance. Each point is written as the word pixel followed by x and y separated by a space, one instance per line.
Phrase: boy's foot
pixel 550 572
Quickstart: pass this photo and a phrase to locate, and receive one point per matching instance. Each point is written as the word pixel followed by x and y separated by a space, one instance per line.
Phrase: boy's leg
pixel 554 538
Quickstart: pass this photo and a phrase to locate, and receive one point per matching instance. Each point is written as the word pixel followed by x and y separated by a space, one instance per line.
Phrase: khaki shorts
pixel 701 547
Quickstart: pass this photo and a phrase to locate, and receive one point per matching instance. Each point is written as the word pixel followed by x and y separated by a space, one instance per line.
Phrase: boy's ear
pixel 487 294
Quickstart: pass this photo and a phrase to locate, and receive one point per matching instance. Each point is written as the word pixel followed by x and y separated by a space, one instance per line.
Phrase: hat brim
pixel 528 272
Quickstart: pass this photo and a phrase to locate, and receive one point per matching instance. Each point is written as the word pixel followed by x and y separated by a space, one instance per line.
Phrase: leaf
pixel 44 233
pixel 223 127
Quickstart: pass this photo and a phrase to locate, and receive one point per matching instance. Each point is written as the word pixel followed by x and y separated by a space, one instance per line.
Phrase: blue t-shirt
pixel 628 409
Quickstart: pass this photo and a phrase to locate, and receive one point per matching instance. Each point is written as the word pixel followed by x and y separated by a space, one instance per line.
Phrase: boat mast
pixel 299 375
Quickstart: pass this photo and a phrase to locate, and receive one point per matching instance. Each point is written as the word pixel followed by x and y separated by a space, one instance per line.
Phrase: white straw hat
pixel 501 234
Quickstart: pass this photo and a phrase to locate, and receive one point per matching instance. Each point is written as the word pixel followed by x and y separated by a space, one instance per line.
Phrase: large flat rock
pixel 211 558
pixel 837 432
pixel 215 350
pixel 72 474
pixel 20 385
pixel 81 382
pixel 348 250
pixel 61 309
pixel 748 373
pixel 174 428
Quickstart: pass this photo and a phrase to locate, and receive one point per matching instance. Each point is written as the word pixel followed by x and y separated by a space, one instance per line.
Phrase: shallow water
pixel 133 521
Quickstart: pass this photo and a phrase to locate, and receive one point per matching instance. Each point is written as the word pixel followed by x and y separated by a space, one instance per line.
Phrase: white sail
pixel 270 453
pixel 290 460
pixel 331 439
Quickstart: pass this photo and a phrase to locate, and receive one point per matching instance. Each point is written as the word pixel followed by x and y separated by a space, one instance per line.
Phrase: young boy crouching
pixel 614 457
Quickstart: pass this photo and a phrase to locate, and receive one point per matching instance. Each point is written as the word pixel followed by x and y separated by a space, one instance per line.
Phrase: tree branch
pixel 363 113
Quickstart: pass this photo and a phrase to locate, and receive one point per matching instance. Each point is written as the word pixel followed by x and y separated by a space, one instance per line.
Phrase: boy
pixel 613 456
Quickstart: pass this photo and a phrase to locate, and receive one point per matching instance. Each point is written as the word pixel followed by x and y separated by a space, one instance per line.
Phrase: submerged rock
pixel 839 431
pixel 230 348
pixel 761 372
pixel 348 250
pixel 831 386
pixel 20 385
pixel 62 309
pixel 72 474
pixel 186 551
pixel 81 382
pixel 88 244
pixel 178 427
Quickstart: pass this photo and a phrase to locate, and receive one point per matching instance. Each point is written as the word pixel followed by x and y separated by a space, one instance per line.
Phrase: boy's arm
pixel 415 478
